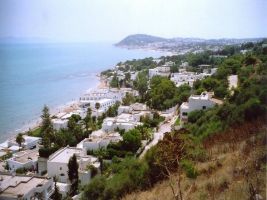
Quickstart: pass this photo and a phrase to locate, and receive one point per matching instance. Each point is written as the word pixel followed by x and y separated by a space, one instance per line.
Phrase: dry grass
pixel 227 174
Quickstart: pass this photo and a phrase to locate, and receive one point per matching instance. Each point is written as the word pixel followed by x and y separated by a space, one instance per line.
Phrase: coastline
pixel 35 121
pixel 55 110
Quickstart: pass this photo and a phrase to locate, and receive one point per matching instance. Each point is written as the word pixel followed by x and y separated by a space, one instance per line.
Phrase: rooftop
pixel 25 156
pixel 12 186
pixel 63 155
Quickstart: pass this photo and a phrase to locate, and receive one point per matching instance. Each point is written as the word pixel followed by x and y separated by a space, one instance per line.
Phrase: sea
pixel 33 75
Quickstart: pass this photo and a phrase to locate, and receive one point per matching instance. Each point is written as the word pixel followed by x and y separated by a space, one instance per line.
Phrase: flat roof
pixel 63 155
pixel 12 186
pixel 25 156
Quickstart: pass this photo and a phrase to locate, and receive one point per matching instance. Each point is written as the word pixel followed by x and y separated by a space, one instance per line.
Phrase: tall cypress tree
pixel 73 167
pixel 56 195
pixel 46 127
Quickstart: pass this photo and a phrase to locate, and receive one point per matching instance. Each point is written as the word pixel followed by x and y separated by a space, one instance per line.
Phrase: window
pixel 60 168
pixel 184 113
pixel 203 107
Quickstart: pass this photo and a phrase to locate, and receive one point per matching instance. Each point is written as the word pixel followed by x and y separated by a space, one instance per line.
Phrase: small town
pixel 133 100
pixel 111 122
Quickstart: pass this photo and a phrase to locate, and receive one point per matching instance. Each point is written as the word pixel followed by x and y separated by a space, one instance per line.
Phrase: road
pixel 166 127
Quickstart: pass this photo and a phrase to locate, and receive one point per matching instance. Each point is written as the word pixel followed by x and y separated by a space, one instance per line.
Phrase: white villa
pixel 159 71
pixel 128 118
pixel 122 121
pixel 25 187
pixel 29 142
pixel 57 164
pixel 198 102
pixel 99 140
pixel 186 78
pixel 23 159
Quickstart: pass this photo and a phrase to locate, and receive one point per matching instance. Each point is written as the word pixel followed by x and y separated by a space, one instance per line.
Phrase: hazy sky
pixel 111 20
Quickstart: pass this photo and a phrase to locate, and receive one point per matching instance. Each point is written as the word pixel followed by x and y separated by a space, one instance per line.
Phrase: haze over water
pixel 33 75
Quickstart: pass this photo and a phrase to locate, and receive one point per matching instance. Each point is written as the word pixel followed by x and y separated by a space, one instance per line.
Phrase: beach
pixel 51 74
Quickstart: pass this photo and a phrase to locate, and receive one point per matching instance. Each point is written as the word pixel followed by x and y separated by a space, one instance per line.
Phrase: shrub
pixel 189 168
pixel 46 152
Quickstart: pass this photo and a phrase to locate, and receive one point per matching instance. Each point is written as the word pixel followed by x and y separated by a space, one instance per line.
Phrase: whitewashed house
pixel 25 187
pixel 59 123
pixel 197 102
pixel 57 164
pixel 187 78
pixel 159 71
pixel 23 159
pixel 96 142
pixel 122 121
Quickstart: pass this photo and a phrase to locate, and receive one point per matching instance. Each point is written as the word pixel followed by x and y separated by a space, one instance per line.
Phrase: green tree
pixel 20 139
pixel 97 106
pixel 114 83
pixel 162 93
pixel 47 131
pixel 73 167
pixel 132 140
pixel 141 84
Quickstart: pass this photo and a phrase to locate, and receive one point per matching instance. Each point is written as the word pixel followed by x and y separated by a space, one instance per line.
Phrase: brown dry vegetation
pixel 235 168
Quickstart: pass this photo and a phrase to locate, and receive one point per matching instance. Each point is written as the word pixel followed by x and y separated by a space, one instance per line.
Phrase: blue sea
pixel 33 75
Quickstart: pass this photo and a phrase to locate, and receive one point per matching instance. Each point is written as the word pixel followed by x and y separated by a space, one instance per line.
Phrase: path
pixel 166 127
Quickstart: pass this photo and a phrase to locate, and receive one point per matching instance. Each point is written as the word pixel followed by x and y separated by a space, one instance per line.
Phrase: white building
pixel 186 78
pixel 122 121
pixel 59 123
pixel 197 102
pixel 95 142
pixel 168 64
pixel 25 187
pixel 57 164
pixel 24 159
pixel 29 143
pixel 103 93
pixel 159 71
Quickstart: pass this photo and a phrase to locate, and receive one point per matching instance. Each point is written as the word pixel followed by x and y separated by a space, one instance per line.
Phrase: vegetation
pixel 140 84
pixel 73 167
pixel 56 195
pixel 164 94
pixel 20 139
pixel 46 128
pixel 214 138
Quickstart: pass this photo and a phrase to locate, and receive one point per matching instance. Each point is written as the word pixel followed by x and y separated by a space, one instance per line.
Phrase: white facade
pixel 197 102
pixel 29 143
pixel 57 164
pixel 97 142
pixel 24 159
pixel 60 123
pixel 186 78
pixel 122 121
pixel 159 71
pixel 25 187
pixel 99 94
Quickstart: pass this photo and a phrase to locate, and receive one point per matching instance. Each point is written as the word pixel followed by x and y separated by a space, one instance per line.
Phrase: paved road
pixel 166 127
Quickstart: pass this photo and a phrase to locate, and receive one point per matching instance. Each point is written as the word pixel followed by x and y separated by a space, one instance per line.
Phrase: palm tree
pixel 20 139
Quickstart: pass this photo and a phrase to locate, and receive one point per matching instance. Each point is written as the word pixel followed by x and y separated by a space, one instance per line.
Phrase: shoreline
pixel 33 124
pixel 55 110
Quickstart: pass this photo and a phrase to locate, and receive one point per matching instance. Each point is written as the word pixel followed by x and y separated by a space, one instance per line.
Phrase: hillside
pixel 233 169
pixel 140 40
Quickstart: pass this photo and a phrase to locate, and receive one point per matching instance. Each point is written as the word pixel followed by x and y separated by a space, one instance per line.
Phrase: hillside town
pixel 126 115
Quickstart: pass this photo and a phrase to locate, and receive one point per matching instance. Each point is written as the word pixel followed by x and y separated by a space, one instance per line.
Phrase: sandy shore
pixel 64 108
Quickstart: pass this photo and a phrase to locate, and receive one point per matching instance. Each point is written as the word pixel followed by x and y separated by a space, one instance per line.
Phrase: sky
pixel 112 20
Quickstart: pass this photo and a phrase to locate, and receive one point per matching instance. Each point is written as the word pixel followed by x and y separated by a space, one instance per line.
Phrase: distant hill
pixel 178 43
pixel 140 39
